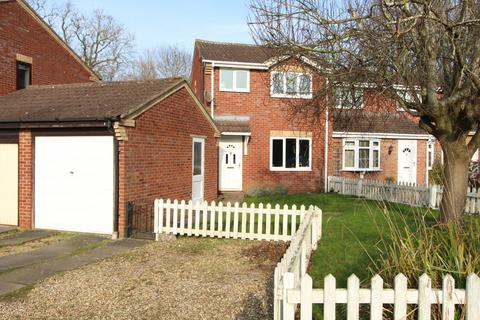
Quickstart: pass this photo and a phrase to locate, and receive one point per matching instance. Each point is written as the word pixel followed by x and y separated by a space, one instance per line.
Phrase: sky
pixel 178 22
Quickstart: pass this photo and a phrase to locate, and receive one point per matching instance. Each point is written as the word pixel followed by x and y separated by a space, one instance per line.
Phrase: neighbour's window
pixel 234 80
pixel 291 85
pixel 430 155
pixel 24 75
pixel 361 155
pixel 290 153
pixel 348 98
pixel 408 97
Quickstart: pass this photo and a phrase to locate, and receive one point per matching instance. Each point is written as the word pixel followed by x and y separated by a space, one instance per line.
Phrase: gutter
pixel 239 65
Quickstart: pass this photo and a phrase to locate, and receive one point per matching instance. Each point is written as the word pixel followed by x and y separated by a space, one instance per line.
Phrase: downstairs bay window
pixel 361 155
pixel 290 154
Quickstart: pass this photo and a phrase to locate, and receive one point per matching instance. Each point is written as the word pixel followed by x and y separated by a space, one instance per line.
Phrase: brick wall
pixel 157 157
pixel 25 179
pixel 20 33
pixel 388 161
pixel 267 114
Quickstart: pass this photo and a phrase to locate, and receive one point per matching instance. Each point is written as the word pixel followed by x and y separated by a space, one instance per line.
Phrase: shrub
pixel 267 191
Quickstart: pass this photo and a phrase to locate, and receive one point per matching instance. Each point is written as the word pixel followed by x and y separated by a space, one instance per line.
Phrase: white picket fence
pixel 302 294
pixel 235 221
pixel 406 193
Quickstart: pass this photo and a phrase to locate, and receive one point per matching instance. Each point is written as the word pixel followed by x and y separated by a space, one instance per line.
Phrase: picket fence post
pixel 288 308
pixel 155 219
pixel 472 301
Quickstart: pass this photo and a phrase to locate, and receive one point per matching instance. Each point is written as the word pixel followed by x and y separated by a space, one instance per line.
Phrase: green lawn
pixel 351 229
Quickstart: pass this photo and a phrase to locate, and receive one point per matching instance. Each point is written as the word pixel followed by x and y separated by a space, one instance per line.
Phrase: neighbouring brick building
pixel 85 150
pixel 251 95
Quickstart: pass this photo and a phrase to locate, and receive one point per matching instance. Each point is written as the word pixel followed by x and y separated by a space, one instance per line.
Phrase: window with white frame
pixel 234 80
pixel 430 154
pixel 361 155
pixel 291 84
pixel 407 96
pixel 290 153
pixel 348 98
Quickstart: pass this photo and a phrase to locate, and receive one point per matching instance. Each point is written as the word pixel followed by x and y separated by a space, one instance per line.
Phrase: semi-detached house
pixel 250 94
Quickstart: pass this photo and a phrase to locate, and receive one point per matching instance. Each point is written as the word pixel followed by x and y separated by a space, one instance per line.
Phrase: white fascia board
pixel 236 133
pixel 406 136
pixel 237 65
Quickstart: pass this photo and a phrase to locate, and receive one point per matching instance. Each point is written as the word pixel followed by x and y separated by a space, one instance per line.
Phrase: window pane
pixel 376 158
pixel 277 83
pixel 349 158
pixel 363 158
pixel 241 78
pixel 291 83
pixel 23 75
pixel 349 143
pixel 226 79
pixel 304 153
pixel 290 153
pixel 277 153
pixel 364 143
pixel 197 158
pixel 304 84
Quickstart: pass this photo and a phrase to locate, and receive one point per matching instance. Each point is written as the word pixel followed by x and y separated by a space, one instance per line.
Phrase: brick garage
pixel 151 125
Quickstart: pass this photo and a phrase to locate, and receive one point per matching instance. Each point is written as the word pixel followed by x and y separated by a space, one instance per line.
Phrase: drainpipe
pixel 116 172
pixel 326 145
pixel 212 89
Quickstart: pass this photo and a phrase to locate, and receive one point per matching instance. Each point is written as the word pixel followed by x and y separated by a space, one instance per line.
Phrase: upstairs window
pixel 408 97
pixel 361 155
pixel 290 154
pixel 291 85
pixel 234 80
pixel 346 98
pixel 24 75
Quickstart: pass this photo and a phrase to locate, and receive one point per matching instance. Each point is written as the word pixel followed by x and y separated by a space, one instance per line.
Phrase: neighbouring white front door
pixel 230 163
pixel 74 183
pixel 407 161
pixel 9 184
pixel 198 169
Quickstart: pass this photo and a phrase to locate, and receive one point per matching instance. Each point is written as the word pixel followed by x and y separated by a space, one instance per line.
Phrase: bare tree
pixel 430 49
pixel 100 41
pixel 161 62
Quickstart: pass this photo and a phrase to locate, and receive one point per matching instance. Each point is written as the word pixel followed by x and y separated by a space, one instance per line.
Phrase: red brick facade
pixel 21 33
pixel 156 161
pixel 269 114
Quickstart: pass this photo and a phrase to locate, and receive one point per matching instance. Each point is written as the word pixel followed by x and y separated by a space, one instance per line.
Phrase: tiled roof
pixel 374 122
pixel 84 101
pixel 226 123
pixel 233 52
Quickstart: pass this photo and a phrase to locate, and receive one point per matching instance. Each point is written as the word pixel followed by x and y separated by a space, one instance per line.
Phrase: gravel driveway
pixel 188 278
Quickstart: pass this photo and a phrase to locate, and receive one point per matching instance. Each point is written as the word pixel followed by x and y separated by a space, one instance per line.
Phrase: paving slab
pixel 25 236
pixel 4 229
pixel 30 274
pixel 56 250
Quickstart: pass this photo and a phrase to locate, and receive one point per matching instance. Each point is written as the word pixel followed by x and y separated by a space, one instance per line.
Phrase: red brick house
pixel 262 145
pixel 246 92
pixel 85 150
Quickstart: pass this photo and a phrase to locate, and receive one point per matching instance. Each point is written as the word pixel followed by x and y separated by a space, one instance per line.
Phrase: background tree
pixel 161 62
pixel 100 41
pixel 428 48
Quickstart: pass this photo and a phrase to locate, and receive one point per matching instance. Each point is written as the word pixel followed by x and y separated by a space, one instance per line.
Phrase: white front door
pixel 9 184
pixel 198 169
pixel 230 163
pixel 74 183
pixel 407 161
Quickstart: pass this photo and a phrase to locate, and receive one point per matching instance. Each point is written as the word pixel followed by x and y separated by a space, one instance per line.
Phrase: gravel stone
pixel 191 278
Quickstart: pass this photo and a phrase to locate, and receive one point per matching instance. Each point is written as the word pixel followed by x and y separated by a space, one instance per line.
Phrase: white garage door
pixel 9 184
pixel 74 183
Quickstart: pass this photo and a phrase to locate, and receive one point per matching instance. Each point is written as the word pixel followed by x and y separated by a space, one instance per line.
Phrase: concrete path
pixel 4 229
pixel 25 236
pixel 28 275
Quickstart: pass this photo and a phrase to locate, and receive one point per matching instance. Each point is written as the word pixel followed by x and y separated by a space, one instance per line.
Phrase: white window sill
pixel 360 170
pixel 235 90
pixel 291 169
pixel 285 96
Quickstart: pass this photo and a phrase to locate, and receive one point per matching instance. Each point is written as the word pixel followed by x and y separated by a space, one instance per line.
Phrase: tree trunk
pixel 456 168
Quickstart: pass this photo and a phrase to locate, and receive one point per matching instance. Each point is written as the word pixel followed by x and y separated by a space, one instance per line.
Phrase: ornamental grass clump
pixel 422 246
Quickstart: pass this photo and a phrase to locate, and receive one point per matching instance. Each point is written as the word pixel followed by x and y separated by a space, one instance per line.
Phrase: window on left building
pixel 24 75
